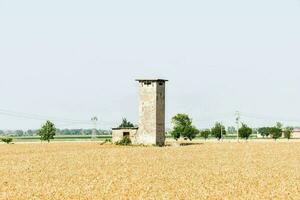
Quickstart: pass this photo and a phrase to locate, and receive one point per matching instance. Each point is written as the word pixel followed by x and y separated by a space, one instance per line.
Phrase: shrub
pixel 107 140
pixel 7 140
pixel 125 141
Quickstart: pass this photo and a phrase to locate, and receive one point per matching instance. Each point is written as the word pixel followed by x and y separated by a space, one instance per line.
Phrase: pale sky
pixel 71 59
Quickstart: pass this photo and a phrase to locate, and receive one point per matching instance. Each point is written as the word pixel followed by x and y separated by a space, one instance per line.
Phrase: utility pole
pixel 94 121
pixel 237 114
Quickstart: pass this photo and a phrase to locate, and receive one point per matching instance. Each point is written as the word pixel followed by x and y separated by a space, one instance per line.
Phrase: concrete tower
pixel 151 111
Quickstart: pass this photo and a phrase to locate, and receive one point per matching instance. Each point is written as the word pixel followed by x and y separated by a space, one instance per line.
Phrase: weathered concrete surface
pixel 118 134
pixel 151 112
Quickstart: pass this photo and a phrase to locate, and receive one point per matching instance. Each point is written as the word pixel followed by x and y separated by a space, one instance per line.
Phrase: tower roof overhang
pixel 151 80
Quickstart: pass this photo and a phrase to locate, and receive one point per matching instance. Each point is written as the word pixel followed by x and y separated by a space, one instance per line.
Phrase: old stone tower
pixel 151 111
pixel 151 130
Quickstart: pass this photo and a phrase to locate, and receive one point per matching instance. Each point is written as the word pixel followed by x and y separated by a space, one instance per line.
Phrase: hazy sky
pixel 71 59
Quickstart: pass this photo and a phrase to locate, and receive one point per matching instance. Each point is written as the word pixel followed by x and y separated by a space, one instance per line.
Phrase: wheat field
pixel 208 170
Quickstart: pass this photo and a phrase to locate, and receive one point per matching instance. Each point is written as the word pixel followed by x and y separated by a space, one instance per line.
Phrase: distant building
pixel 119 133
pixel 296 133
pixel 151 128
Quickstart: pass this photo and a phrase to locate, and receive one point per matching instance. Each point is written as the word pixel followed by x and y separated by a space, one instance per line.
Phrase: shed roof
pixel 125 128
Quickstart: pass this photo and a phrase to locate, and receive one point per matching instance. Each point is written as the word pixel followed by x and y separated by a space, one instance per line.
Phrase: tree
pixel 276 132
pixel 245 131
pixel 19 133
pixel 175 133
pixel 218 130
pixel 126 124
pixel 287 132
pixel 190 132
pixel 264 131
pixel 47 131
pixel 183 127
pixel 205 133
pixel 279 125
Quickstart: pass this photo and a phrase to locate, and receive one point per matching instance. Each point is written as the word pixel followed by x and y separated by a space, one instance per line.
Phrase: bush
pixel 125 141
pixel 107 140
pixel 7 140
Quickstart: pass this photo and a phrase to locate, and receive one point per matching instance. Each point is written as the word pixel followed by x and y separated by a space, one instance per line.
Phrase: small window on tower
pixel 161 83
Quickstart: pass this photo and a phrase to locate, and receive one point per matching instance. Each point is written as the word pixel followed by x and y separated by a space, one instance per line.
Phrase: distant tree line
pixel 21 133
pixel 183 128
pixel 276 131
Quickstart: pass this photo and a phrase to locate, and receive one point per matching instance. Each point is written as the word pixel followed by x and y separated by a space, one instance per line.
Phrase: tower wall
pixel 160 113
pixel 151 112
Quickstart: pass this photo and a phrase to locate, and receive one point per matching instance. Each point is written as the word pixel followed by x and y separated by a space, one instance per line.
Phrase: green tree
pixel 205 133
pixel 190 132
pixel 264 131
pixel 19 133
pixel 183 127
pixel 245 131
pixel 279 125
pixel 276 132
pixel 47 131
pixel 175 133
pixel 218 130
pixel 287 132
pixel 126 124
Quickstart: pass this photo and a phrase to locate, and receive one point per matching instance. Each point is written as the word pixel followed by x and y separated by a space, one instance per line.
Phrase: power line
pixel 37 117
pixel 60 121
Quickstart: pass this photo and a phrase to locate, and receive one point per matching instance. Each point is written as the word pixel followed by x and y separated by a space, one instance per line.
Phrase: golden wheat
pixel 228 170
